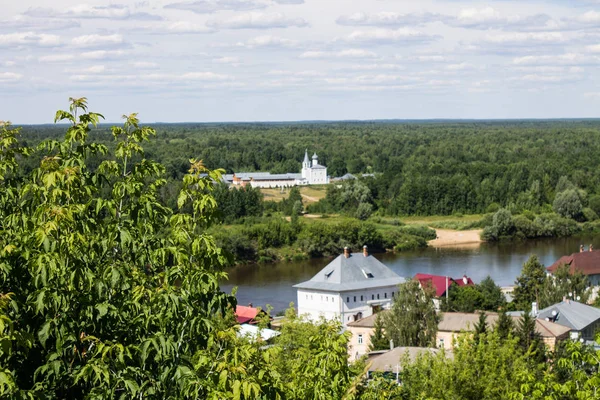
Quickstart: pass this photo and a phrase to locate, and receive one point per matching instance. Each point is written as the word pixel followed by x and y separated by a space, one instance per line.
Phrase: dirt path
pixel 446 237
pixel 309 198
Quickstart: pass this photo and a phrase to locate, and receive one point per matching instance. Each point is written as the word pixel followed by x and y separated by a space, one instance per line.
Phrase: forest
pixel 426 168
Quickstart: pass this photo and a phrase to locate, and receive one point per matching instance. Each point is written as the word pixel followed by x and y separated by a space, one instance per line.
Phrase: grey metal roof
pixel 571 314
pixel 353 273
pixel 306 160
pixel 262 176
pixel 318 166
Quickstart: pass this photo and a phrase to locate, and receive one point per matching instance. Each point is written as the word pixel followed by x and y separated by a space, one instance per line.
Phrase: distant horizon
pixel 330 121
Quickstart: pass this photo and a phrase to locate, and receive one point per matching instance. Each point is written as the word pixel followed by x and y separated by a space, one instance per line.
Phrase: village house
pixel 450 326
pixel 586 262
pixel 453 324
pixel 310 174
pixel 583 321
pixel 351 287
pixel 389 362
pixel 441 284
pixel 247 314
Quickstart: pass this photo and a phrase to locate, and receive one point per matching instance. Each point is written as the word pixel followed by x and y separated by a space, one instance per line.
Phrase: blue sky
pixel 278 60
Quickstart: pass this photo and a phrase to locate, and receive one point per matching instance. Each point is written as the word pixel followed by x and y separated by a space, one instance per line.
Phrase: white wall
pixel 344 306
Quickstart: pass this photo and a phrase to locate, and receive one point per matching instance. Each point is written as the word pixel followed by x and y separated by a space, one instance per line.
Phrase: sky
pixel 289 60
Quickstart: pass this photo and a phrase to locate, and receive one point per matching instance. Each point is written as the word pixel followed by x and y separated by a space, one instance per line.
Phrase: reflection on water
pixel 272 283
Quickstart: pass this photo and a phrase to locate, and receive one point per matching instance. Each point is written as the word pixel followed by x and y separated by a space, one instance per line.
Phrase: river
pixel 272 283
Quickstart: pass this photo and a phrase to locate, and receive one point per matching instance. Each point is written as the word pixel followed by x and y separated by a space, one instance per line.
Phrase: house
pixel 256 333
pixel 390 361
pixel 582 320
pixel 351 287
pixel 311 174
pixel 361 332
pixel 441 284
pixel 450 326
pixel 247 315
pixel 586 262
pixel 453 324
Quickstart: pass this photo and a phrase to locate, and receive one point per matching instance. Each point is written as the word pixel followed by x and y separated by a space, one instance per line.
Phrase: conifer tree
pixel 530 284
pixel 379 340
pixel 505 325
pixel 480 327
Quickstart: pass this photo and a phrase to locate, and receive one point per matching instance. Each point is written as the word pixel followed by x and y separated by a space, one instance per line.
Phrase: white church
pixel 351 287
pixel 311 174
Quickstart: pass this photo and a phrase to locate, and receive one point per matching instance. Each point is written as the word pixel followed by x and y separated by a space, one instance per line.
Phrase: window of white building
pixel 360 339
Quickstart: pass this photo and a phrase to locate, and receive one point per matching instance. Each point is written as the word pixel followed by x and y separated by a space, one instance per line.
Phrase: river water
pixel 272 283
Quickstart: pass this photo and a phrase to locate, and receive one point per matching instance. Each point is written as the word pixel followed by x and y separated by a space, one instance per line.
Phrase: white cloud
pixel 103 54
pixel 114 11
pixel 559 59
pixel 460 67
pixel 211 6
pixel 173 27
pixel 289 1
pixel 387 19
pixel 268 41
pixel 227 60
pixel 29 39
pixel 527 38
pixel 348 53
pixel 490 18
pixel 389 36
pixel 98 40
pixel 20 22
pixel 256 20
pixel 10 77
pixel 144 65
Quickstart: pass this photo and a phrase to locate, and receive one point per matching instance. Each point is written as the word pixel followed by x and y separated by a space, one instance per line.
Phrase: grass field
pixel 310 194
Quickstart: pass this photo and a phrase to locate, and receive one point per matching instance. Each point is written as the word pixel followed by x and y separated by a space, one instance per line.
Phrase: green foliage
pixel 379 340
pixel 563 283
pixel 113 293
pixel 480 328
pixel 236 203
pixel 568 204
pixel 292 205
pixel 529 285
pixel 504 326
pixel 486 296
pixel 412 320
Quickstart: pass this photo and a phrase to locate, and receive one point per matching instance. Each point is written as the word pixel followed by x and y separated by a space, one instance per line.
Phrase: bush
pixel 589 214
pixel 419 230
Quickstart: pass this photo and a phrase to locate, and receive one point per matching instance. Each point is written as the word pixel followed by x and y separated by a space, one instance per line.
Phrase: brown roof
pixel 587 262
pixel 390 360
pixel 465 322
pixel 367 322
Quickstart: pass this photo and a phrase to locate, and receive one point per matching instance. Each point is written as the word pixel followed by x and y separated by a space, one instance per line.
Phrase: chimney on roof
pixel 465 280
pixel 346 252
pixel 365 251
pixel 581 249
pixel 250 305
pixel 534 309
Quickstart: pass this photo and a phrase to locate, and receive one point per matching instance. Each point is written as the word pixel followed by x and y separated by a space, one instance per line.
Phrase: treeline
pixel 420 168
pixel 273 238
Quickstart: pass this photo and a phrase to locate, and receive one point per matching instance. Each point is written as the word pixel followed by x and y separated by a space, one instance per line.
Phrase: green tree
pixel 529 285
pixel 379 340
pixel 504 326
pixel 568 204
pixel 529 339
pixel 493 298
pixel 412 320
pixel 480 327
pixel 463 299
pixel 105 292
pixel 562 283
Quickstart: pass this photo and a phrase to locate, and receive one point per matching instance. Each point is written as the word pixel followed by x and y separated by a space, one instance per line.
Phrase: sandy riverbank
pixel 446 237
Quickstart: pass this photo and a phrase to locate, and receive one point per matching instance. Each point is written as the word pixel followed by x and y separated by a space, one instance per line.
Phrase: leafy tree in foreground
pixel 412 320
pixel 105 293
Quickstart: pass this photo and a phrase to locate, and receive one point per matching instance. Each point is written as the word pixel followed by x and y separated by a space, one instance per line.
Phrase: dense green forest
pixel 435 168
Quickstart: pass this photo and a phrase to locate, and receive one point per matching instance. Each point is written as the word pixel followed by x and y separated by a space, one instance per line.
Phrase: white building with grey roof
pixel 311 174
pixel 351 287
pixel 583 320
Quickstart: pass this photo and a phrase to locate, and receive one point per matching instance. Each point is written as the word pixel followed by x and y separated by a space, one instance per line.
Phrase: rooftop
pixel 353 272
pixel 439 282
pixel 390 361
pixel 587 262
pixel 572 314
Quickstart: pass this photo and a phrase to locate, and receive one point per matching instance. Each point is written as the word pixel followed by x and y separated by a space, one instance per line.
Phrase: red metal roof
pixel 439 282
pixel 245 314
pixel 587 262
